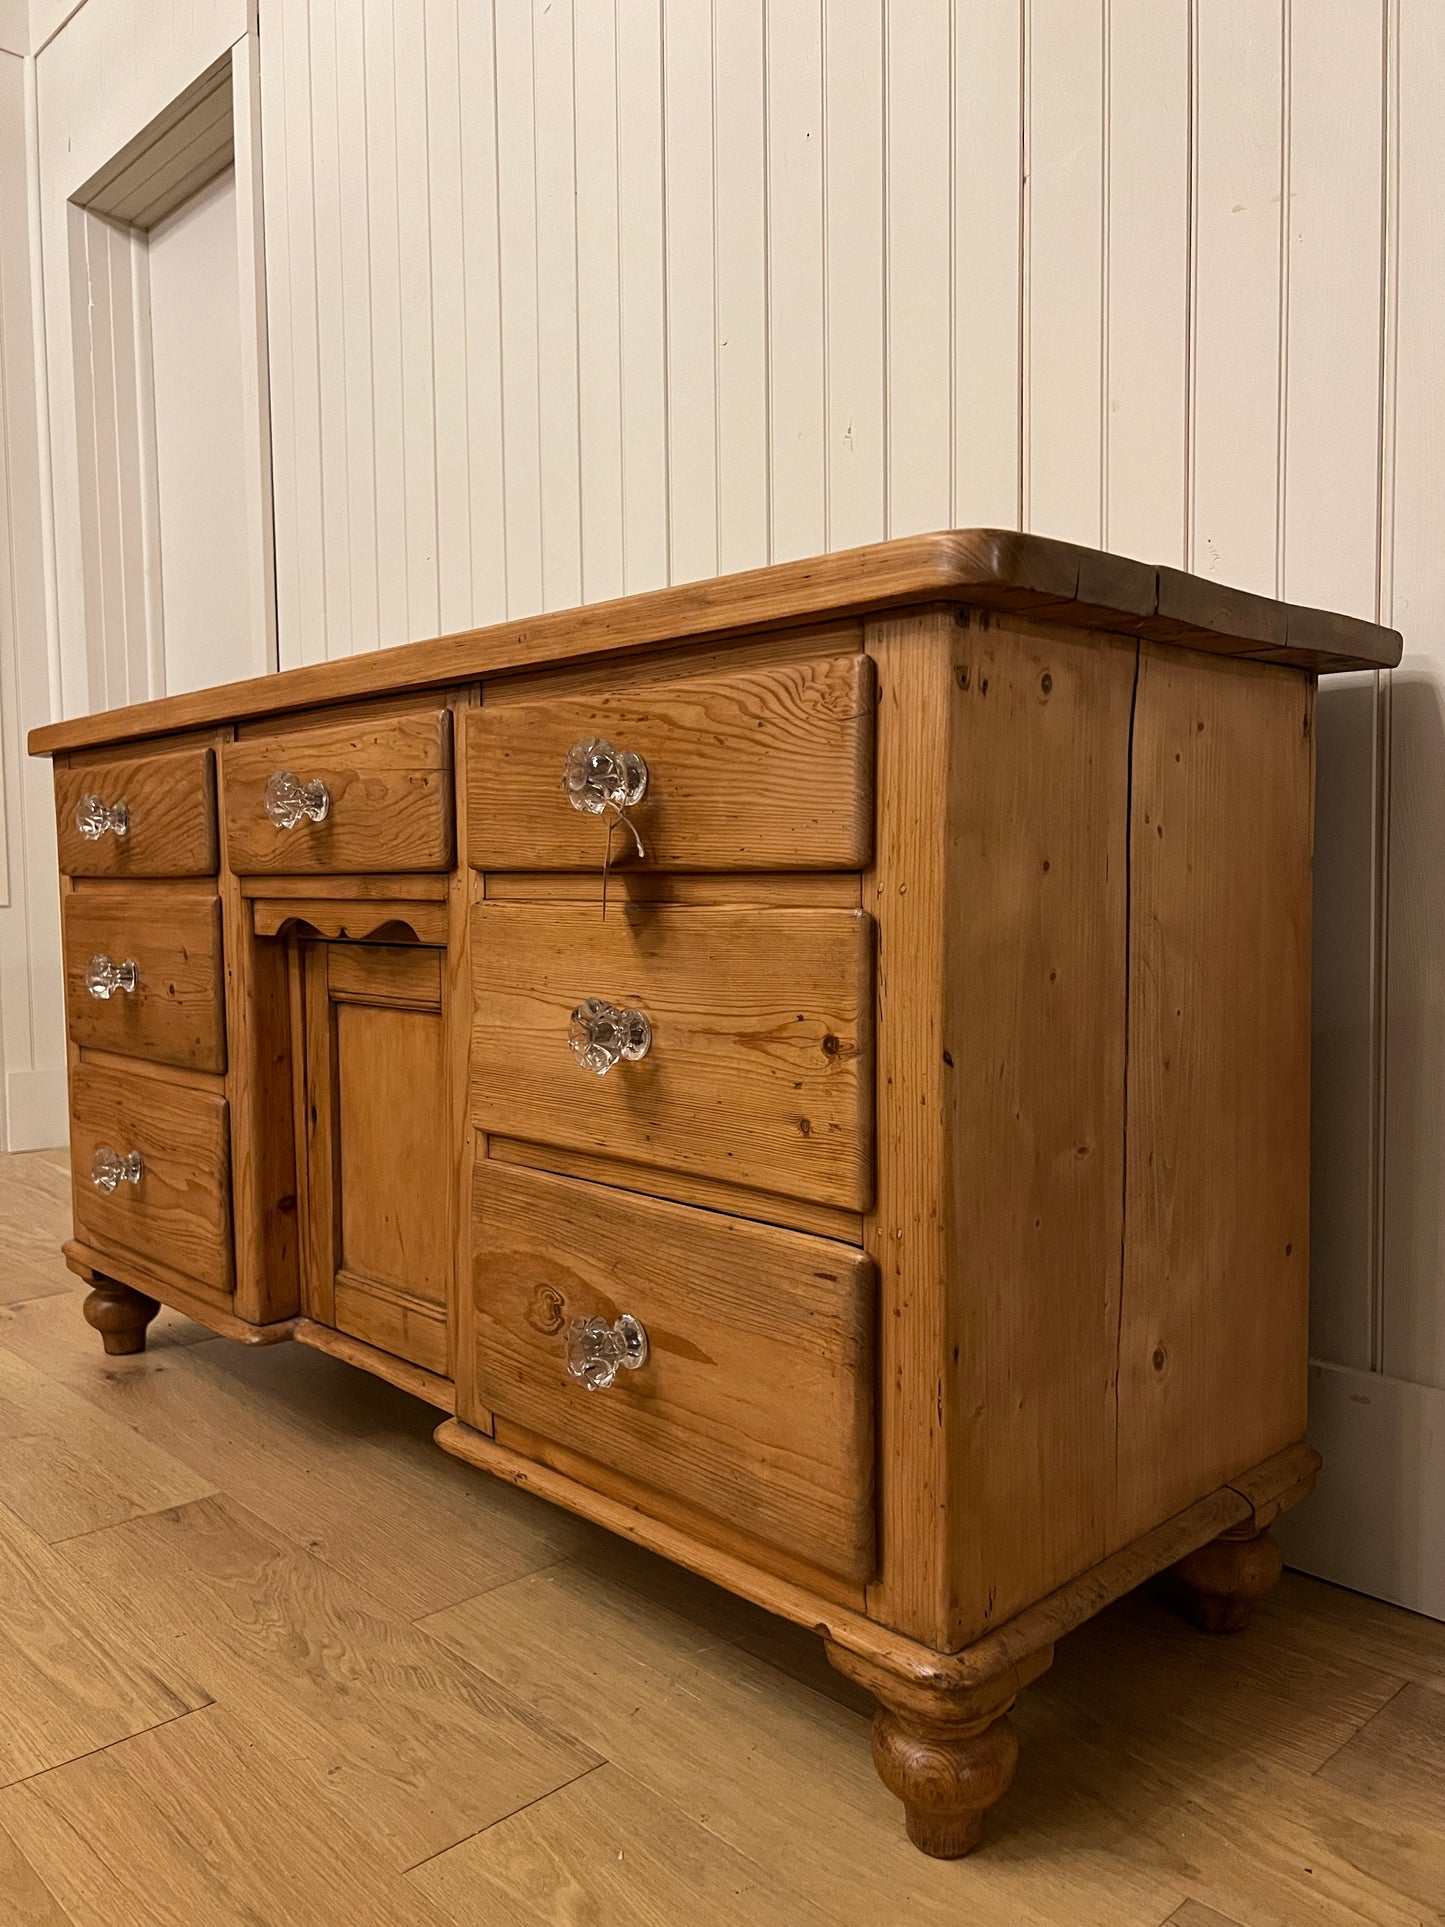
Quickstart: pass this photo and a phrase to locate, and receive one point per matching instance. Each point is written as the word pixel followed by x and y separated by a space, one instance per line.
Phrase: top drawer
pixel 152 816
pixel 755 769
pixel 368 795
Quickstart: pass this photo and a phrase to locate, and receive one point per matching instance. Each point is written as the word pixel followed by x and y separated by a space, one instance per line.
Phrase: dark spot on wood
pixel 830 1045
pixel 963 679
pixel 1046 866
pixel 805 1125
pixel 983 685
pixel 1160 1359
pixel 1289 1251
pixel 1046 683
pixel 948 1059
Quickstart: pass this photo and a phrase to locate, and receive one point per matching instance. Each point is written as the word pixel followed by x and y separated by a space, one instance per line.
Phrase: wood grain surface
pixel 180 1212
pixel 1212 1339
pixel 1289 1775
pixel 759 769
pixel 761 1062
pixel 983 568
pixel 756 1400
pixel 172 804
pixel 380 1249
pixel 176 1013
pixel 389 780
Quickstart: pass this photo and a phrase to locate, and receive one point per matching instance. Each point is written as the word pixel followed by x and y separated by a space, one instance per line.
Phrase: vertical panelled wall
pixel 570 298
pixel 576 297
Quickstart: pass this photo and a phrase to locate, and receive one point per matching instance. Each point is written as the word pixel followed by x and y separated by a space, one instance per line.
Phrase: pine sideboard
pixel 809 1070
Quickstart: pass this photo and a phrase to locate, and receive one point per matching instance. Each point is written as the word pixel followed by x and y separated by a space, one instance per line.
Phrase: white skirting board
pixel 1374 1523
pixel 36 1117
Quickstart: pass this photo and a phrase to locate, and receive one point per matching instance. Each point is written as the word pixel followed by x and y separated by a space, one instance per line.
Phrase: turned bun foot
pixel 120 1315
pixel 1221 1581
pixel 946 1776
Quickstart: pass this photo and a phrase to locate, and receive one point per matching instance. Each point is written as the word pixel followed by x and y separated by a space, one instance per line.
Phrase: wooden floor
pixel 267 1656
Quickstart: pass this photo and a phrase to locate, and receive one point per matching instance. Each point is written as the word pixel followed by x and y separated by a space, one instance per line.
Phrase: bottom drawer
pixel 755 1400
pixel 174 1204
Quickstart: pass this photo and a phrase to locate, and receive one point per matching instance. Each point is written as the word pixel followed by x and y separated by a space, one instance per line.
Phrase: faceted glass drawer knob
pixel 289 801
pixel 601 1035
pixel 108 1168
pixel 93 818
pixel 597 777
pixel 597 1351
pixel 104 977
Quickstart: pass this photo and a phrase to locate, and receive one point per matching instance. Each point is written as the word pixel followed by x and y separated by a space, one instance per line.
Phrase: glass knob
pixel 289 801
pixel 596 1351
pixel 94 817
pixel 597 777
pixel 601 1035
pixel 108 1168
pixel 104 977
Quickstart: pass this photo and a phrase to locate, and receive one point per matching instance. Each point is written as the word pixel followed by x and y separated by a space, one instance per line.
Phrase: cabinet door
pixel 378 1253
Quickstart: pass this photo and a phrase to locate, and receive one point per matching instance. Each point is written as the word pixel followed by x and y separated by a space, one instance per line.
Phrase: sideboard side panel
pixel 1213 1326
pixel 1000 888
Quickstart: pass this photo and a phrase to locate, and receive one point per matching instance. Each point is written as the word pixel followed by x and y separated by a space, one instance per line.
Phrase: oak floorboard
pixel 195 1826
pixel 1256 1838
pixel 606 1849
pixel 793 1650
pixel 1331 1624
pixel 387 1725
pixel 1165 1776
pixel 66 1466
pixel 1232 1693
pixel 337 1460
pixel 22 1279
pixel 25 1900
pixel 667 1701
pixel 73 1675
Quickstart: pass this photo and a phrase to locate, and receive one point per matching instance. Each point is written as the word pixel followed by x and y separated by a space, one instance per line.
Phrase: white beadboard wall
pixel 576 297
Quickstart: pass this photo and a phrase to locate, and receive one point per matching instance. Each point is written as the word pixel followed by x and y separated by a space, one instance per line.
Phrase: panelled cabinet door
pixel 377 1251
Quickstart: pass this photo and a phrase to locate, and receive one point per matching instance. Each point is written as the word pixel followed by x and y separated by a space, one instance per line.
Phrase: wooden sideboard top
pixel 983 568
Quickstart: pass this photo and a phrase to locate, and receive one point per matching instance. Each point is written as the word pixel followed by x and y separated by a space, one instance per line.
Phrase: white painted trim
pixel 42 392
pixel 255 374
pixel 1374 1522
pixel 37 1115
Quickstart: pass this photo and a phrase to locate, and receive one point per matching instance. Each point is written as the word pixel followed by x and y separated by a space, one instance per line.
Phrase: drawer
pixel 758 769
pixel 755 1400
pixel 375 795
pixel 168 823
pixel 177 1207
pixel 172 1010
pixel 760 1064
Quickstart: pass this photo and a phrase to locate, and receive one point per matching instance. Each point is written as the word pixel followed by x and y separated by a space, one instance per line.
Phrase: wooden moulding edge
pixel 1009 1655
pixel 416 1379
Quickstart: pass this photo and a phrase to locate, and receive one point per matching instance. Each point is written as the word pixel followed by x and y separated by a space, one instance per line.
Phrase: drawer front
pixel 755 1401
pixel 387 784
pixel 761 769
pixel 760 1065
pixel 178 1210
pixel 173 1010
pixel 169 805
